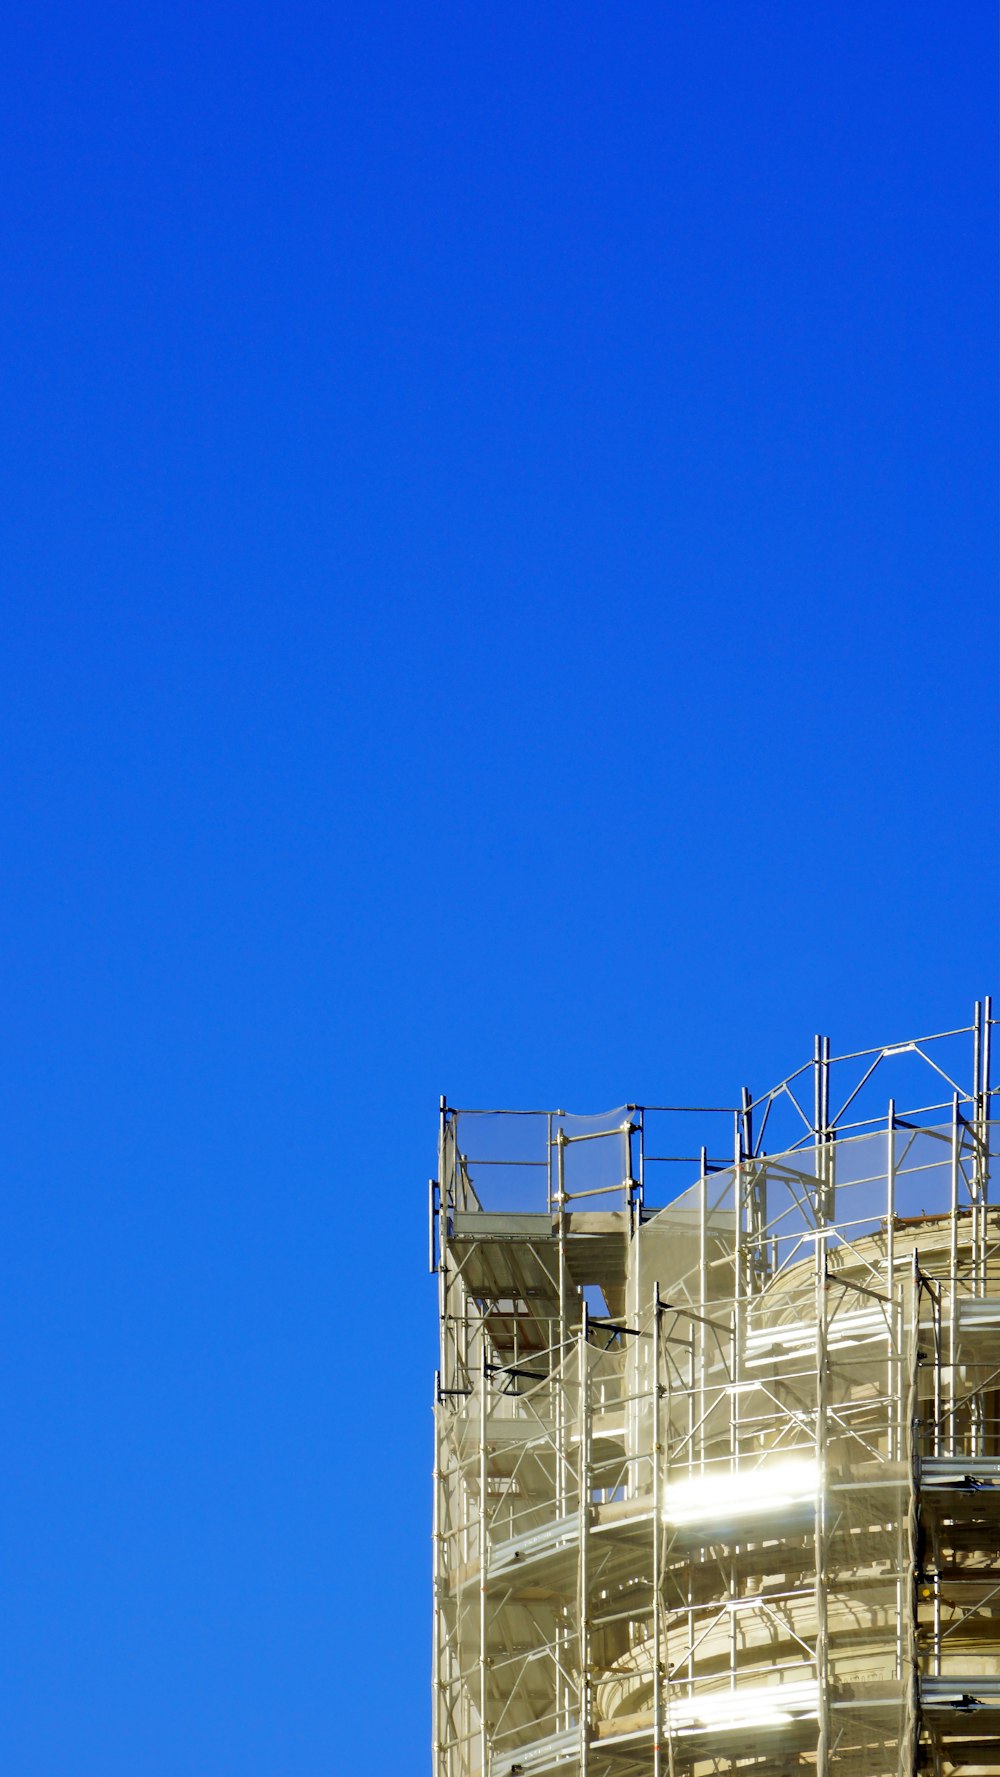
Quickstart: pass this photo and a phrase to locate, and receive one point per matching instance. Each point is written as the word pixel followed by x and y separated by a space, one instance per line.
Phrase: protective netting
pixel 531 1160
pixel 751 1519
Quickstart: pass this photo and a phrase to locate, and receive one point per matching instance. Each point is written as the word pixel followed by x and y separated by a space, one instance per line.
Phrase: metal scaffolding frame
pixel 717 1485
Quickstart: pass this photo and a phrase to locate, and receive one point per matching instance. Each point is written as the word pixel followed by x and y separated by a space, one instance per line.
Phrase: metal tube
pixel 737 1320
pixel 909 1763
pixel 484 1749
pixel 560 1402
pixel 983 1148
pixel 938 1332
pixel 822 1639
pixel 952 1283
pixel 583 1607
pixel 826 1084
pixel 702 1298
pixel 657 1532
pixel 895 1354
pixel 432 1189
pixel 746 1119
pixel 436 1547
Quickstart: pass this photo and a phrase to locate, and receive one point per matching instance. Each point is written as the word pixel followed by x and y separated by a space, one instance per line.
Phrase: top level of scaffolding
pixel 640 1157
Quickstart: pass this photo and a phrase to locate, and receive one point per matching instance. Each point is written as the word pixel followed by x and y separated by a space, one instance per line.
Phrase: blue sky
pixel 499 542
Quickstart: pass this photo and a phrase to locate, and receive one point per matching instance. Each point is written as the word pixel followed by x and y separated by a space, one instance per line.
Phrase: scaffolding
pixel 717 1483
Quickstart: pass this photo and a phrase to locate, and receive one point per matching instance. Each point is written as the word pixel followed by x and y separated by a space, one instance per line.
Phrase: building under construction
pixel 717 1483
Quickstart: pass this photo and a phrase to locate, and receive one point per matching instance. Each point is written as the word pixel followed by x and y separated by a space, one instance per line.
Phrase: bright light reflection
pixel 772 1706
pixel 771 1487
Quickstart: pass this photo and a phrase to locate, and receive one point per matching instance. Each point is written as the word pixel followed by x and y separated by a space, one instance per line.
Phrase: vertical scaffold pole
pixel 825 1215
pixel 980 1164
pixel 484 1746
pixel 560 1400
pixel 739 1259
pixel 983 1164
pixel 826 1086
pixel 977 1139
pixel 657 1514
pixel 436 1676
pixel 560 1377
pixel 822 1638
pixel 984 1146
pixel 443 1199
pixel 755 1194
pixel 438 1582
pixel 912 1410
pixel 702 1303
pixel 952 1282
pixel 895 1333
pixel 583 1604
pixel 987 1031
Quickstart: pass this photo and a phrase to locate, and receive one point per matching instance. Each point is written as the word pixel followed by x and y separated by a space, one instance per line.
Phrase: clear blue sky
pixel 499 542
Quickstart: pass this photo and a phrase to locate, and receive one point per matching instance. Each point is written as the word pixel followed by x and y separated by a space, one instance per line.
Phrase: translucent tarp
pixel 520 1161
pixel 702 1525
